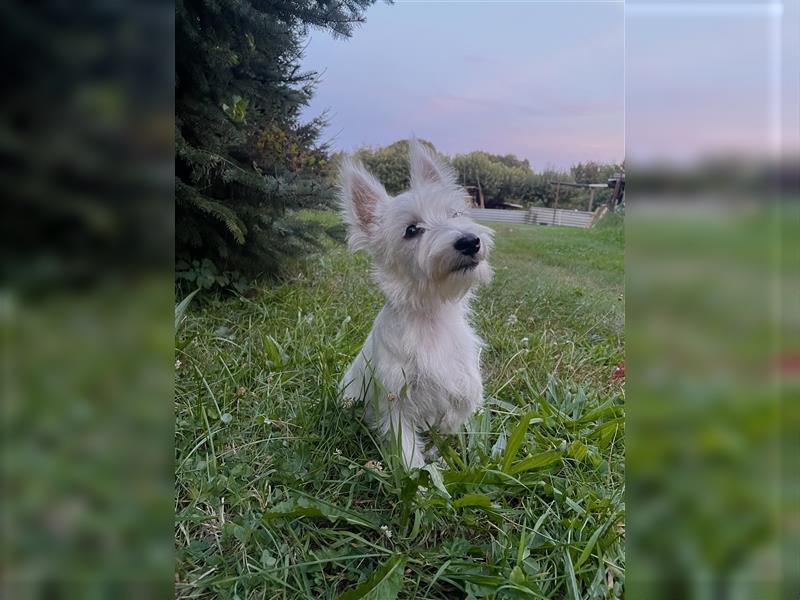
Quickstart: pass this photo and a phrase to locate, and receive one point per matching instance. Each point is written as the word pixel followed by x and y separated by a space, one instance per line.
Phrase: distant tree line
pixel 500 178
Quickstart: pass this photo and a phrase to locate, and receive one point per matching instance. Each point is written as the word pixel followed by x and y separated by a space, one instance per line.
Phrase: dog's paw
pixel 451 424
pixel 432 454
pixel 349 402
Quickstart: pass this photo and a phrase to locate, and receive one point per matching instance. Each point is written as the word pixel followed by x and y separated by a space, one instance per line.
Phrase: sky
pixel 543 81
pixel 707 78
pixel 560 82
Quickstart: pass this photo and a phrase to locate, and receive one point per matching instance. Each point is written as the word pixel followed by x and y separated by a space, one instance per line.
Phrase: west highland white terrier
pixel 419 368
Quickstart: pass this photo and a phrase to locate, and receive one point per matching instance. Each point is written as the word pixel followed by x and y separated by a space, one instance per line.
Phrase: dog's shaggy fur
pixel 419 367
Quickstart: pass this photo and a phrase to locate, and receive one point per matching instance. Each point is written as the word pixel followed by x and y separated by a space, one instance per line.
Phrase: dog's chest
pixel 441 352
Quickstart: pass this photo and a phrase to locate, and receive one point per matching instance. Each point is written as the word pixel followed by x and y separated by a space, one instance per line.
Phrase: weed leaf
pixel 384 583
pixel 499 445
pixel 479 500
pixel 515 441
pixel 436 479
pixel 307 507
pixel 536 461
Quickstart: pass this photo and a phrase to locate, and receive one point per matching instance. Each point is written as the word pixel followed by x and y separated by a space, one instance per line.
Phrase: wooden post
pixel 591 199
pixel 555 204
pixel 612 202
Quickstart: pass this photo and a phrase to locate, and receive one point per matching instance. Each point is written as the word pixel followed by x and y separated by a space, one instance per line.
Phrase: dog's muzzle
pixel 468 244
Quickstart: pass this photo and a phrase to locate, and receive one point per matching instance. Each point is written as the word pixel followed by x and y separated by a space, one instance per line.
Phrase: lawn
pixel 283 493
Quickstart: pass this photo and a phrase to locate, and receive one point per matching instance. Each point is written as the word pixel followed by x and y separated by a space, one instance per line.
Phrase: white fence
pixel 536 215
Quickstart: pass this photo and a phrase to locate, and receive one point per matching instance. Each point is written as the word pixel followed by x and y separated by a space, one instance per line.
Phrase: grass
pixel 283 493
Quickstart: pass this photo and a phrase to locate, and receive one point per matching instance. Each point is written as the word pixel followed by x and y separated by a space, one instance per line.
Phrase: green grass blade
pixel 180 308
pixel 587 550
pixel 572 583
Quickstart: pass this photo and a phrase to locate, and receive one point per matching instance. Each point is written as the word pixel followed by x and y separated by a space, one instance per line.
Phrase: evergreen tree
pixel 242 157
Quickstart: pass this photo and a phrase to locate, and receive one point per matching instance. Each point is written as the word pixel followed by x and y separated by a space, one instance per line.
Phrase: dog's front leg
pixel 401 428
pixel 354 385
pixel 463 404
pixel 473 391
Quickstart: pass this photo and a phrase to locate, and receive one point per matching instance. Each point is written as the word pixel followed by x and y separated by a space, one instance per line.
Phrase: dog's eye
pixel 412 231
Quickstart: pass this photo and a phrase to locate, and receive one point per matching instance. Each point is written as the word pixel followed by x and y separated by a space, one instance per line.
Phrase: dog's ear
pixel 426 167
pixel 360 196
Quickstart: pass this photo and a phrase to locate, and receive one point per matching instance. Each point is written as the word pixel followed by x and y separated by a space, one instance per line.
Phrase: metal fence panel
pixel 535 216
pixel 499 215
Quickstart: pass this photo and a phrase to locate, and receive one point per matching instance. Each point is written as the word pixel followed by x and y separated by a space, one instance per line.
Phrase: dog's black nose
pixel 468 244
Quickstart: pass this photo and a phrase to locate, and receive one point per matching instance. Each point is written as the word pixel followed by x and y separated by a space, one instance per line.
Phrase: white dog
pixel 419 367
